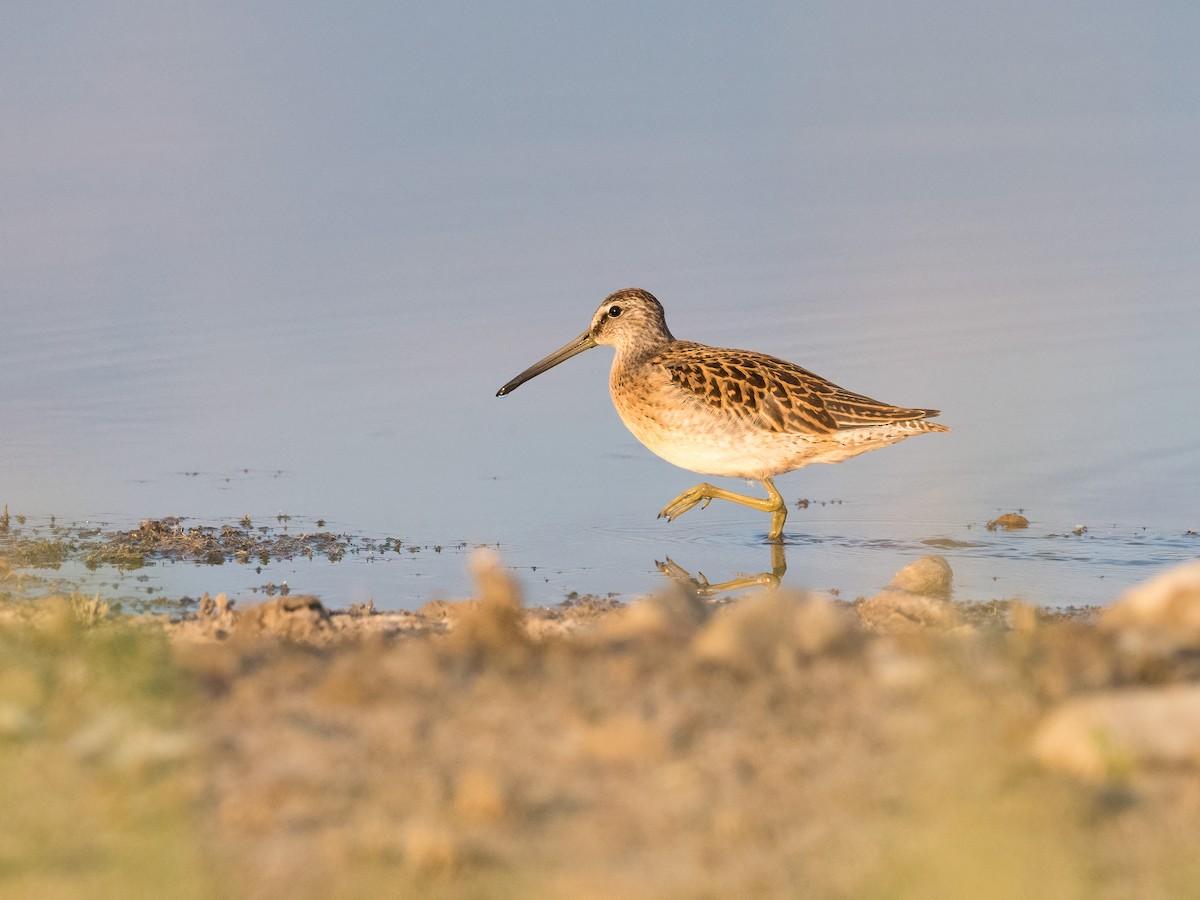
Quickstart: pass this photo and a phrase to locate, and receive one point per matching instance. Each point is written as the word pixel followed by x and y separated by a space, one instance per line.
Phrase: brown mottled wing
pixel 763 391
pixel 772 393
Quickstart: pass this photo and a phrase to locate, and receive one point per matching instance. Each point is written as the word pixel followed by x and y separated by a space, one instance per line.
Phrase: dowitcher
pixel 733 413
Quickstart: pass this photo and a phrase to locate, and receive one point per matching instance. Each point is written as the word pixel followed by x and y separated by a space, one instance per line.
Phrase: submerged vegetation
pixel 170 539
pixel 175 539
pixel 29 549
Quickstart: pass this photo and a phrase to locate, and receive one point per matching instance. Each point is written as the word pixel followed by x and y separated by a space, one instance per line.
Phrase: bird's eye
pixel 614 311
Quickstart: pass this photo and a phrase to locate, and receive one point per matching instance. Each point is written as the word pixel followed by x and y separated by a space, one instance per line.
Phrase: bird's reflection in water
pixel 705 588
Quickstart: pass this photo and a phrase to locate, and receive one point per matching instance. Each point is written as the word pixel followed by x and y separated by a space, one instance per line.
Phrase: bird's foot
pixel 701 493
pixel 705 493
pixel 704 588
pixel 676 572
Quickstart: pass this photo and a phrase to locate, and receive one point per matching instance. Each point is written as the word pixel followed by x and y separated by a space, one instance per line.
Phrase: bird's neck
pixel 634 354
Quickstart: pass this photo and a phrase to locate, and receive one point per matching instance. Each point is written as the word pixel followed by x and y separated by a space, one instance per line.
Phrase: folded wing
pixel 773 394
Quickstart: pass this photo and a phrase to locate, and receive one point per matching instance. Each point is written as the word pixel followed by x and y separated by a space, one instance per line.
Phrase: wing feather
pixel 773 394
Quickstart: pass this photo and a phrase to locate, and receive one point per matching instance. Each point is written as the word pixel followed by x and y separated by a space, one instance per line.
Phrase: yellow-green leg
pixel 705 493
pixel 705 588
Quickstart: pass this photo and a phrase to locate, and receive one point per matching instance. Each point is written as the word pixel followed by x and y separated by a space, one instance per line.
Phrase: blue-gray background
pixel 277 257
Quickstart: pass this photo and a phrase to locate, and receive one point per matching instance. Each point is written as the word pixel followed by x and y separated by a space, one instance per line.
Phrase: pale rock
pixel 930 576
pixel 898 612
pixel 1108 736
pixel 915 600
pixel 1160 617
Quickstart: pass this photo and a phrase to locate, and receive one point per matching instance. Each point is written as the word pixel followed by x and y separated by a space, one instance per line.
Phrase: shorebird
pixel 731 413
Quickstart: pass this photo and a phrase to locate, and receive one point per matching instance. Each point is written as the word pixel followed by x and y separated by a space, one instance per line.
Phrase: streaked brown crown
pixel 631 320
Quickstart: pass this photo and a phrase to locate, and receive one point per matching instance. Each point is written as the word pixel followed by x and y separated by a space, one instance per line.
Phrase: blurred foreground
pixel 776 745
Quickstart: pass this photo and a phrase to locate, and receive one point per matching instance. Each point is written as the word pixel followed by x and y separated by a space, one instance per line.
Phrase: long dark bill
pixel 584 342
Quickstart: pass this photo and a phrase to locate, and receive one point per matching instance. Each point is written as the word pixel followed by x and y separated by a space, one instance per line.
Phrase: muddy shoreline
pixel 162 564
pixel 774 744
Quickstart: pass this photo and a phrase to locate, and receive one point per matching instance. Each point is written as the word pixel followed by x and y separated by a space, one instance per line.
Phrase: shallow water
pixel 302 298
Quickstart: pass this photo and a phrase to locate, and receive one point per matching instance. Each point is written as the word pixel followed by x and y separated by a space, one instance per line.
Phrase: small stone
pixel 1106 737
pixel 930 576
pixel 916 599
pixel 900 612
pixel 1160 617
pixel 1009 521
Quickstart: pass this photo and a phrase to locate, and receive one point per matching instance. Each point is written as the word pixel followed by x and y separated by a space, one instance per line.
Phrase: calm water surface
pixel 248 283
